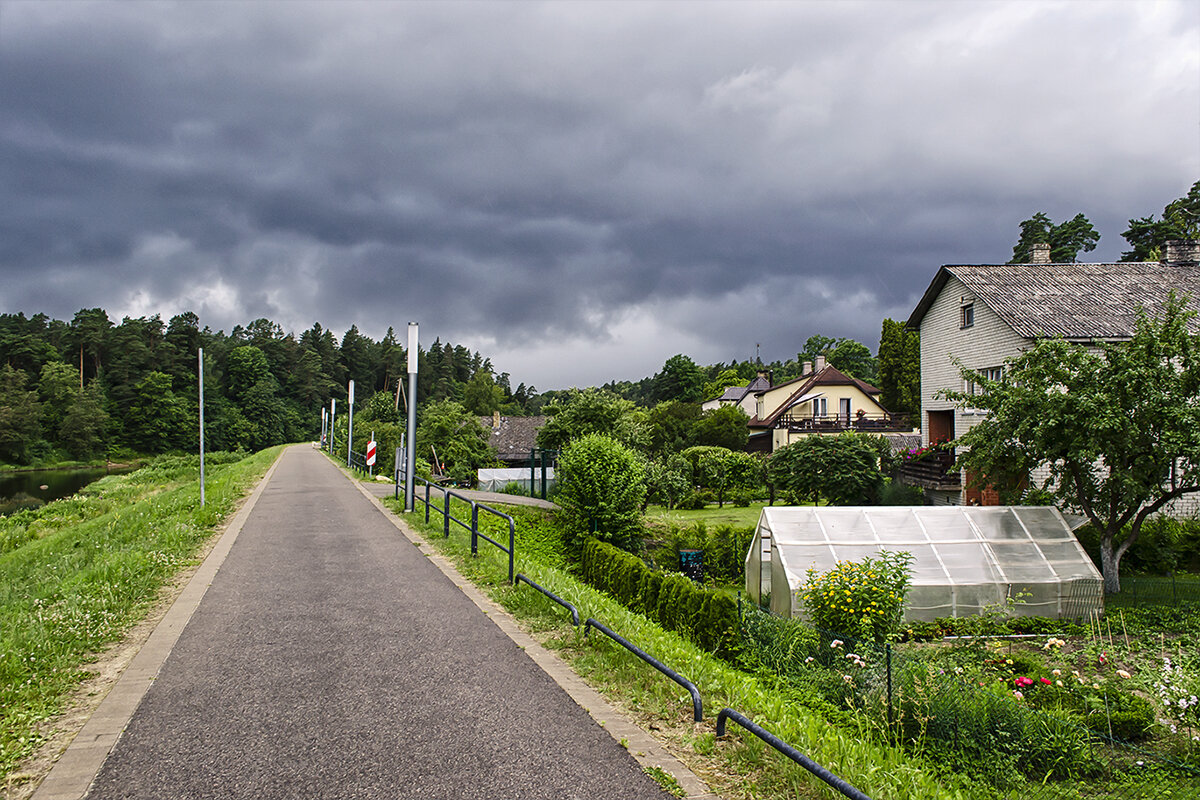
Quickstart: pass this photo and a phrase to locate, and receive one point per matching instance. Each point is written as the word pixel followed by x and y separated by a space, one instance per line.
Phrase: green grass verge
pixel 710 515
pixel 739 766
pixel 77 573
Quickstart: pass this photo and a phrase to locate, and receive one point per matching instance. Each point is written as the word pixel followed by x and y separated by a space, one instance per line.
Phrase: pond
pixel 52 484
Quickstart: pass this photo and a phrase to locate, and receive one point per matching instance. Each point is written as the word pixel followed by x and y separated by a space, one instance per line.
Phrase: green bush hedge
pixel 708 618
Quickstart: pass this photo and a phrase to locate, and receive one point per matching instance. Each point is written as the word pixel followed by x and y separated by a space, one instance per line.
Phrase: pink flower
pixel 1023 682
pixel 1045 681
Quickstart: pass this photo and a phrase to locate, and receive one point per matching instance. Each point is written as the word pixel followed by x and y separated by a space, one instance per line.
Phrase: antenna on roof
pixel 757 360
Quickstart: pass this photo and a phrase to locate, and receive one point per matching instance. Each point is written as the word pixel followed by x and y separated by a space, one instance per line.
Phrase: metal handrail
pixel 795 755
pixel 697 706
pixel 476 534
pixel 552 596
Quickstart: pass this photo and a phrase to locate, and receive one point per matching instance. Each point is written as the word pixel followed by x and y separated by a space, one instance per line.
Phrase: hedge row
pixel 708 618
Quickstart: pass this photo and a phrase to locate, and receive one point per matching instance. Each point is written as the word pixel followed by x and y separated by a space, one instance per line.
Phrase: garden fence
pixel 929 701
pixel 1168 590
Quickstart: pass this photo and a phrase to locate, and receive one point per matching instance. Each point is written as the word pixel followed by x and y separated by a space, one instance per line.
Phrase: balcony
pixel 932 471
pixel 837 423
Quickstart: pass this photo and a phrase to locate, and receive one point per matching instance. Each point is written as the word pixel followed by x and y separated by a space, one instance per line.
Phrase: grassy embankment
pixel 77 573
pixel 739 766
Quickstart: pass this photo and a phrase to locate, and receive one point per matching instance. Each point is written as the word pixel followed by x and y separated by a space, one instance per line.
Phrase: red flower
pixel 1045 681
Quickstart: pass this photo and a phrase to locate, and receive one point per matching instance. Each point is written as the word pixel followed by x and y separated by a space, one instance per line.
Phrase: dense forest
pixel 91 388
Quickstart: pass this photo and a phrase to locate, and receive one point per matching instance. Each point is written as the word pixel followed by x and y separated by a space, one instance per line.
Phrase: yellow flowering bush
pixel 863 598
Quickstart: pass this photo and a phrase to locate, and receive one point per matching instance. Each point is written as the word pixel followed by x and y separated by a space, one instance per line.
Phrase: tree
pixel 725 378
pixel 720 469
pixel 82 431
pixel 57 387
pixel 680 379
pixel 847 355
pixel 158 420
pixel 672 426
pixel 1065 239
pixel 723 427
pixel 842 470
pixel 481 395
pixel 450 432
pixel 1117 428
pixel 602 485
pixel 593 411
pixel 20 417
pixel 899 368
pixel 1180 220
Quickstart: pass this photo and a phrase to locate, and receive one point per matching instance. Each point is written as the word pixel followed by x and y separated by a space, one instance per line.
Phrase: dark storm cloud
pixel 581 190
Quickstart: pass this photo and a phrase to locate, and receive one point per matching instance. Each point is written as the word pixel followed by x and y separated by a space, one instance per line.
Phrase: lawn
pixel 746 517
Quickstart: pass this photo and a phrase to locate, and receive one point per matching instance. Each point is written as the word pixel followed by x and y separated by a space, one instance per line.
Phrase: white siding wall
pixel 988 343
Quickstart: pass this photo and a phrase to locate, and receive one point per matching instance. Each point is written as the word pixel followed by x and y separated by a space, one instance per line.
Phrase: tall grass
pixel 77 573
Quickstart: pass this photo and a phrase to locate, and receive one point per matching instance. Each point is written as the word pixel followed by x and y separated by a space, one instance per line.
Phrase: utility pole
pixel 350 425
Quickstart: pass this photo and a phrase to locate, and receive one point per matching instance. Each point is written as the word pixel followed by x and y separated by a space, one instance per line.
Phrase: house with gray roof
pixel 982 315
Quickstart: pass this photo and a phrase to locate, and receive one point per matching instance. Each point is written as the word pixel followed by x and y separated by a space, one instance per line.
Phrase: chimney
pixel 1183 252
pixel 765 374
pixel 495 420
pixel 1039 254
pixel 820 363
pixel 807 368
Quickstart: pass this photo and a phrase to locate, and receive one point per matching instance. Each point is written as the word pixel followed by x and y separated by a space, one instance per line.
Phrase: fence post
pixel 446 515
pixel 1174 593
pixel 426 502
pixel 474 529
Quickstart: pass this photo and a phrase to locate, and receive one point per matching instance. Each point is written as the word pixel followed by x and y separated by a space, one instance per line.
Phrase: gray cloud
pixel 581 189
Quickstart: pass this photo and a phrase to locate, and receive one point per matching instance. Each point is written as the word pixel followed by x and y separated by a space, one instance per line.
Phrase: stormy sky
pixel 579 190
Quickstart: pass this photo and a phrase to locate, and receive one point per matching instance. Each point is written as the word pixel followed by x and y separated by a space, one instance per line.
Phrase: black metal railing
pixel 932 470
pixel 836 423
pixel 358 461
pixel 471 527
pixel 795 755
pixel 574 611
pixel 697 705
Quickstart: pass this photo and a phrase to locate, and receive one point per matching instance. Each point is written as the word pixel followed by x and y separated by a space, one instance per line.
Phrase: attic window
pixel 968 315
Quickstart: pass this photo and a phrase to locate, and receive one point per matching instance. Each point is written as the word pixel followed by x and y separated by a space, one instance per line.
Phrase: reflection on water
pixel 51 484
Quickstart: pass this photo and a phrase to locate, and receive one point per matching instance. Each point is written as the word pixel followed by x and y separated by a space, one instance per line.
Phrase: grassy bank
pixel 75 574
pixel 738 766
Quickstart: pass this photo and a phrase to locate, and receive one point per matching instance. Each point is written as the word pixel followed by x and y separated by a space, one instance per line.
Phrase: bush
pixel 742 498
pixel 724 548
pixel 708 618
pixel 861 599
pixel 693 501
pixel 601 488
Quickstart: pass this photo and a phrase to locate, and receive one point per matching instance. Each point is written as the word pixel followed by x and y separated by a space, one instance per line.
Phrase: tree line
pixel 92 388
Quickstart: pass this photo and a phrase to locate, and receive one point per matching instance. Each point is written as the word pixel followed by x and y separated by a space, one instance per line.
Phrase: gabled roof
pixel 829 376
pixel 515 436
pixel 1072 301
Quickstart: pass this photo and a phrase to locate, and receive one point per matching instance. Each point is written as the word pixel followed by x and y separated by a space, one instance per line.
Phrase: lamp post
pixel 411 456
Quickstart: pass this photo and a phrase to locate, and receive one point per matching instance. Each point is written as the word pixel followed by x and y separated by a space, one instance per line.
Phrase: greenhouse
pixel 966 559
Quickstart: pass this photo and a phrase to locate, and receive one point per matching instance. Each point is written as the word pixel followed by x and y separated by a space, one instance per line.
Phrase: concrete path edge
pixel 77 767
pixel 644 748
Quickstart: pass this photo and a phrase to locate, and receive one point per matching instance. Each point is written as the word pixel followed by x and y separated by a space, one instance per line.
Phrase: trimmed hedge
pixel 707 617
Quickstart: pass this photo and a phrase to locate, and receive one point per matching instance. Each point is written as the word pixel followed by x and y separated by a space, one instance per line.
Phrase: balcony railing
pixel 932 471
pixel 836 423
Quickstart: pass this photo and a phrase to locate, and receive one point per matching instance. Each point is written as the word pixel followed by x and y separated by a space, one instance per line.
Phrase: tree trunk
pixel 1110 565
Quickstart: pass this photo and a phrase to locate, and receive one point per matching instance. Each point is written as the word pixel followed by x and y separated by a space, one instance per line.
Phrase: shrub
pixel 601 487
pixel 708 618
pixel 862 599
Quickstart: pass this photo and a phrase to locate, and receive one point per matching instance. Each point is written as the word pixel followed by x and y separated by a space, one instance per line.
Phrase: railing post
pixel 426 502
pixel 512 549
pixel 446 513
pixel 474 529
pixel 891 712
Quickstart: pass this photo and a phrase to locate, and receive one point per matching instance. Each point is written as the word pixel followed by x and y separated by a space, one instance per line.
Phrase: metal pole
pixel 200 361
pixel 332 417
pixel 411 401
pixel 350 425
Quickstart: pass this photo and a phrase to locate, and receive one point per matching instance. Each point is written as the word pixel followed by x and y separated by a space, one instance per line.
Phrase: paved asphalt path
pixel 331 659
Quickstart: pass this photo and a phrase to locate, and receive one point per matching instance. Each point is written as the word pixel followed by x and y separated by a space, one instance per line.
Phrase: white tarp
pixel 494 480
pixel 965 558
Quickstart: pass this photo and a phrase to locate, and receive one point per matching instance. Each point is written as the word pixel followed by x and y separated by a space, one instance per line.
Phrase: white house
pixel 984 314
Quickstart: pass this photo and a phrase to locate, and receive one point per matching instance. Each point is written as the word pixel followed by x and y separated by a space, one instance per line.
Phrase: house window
pixel 995 374
pixel 844 410
pixel 968 315
pixel 820 407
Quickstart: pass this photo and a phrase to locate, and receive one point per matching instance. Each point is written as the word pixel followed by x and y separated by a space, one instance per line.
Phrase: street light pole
pixel 411 456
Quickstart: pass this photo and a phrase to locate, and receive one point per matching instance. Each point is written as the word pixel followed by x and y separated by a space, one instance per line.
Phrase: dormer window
pixel 968 315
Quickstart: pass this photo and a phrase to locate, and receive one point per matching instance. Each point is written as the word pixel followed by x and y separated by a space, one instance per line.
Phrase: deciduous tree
pixel 1117 427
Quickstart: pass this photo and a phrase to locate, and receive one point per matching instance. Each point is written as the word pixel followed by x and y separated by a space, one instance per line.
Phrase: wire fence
pixel 1168 590
pixel 981 708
